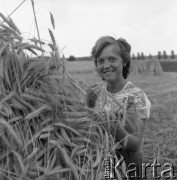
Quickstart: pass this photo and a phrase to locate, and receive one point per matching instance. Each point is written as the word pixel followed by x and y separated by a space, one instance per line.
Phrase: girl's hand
pixel 131 123
pixel 92 95
pixel 131 106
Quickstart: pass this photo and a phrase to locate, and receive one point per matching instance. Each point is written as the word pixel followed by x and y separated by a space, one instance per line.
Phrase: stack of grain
pixel 46 132
pixel 146 67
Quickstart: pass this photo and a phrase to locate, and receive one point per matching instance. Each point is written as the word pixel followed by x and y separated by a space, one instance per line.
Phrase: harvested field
pixel 169 66
pixel 160 140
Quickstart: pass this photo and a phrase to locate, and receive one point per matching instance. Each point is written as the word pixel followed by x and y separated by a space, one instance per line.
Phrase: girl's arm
pixel 130 134
pixel 131 142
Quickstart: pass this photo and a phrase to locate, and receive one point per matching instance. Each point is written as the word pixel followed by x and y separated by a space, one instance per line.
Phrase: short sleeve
pixel 143 105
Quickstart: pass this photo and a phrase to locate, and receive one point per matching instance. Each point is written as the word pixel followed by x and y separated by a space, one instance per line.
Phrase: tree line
pixel 160 55
pixel 140 56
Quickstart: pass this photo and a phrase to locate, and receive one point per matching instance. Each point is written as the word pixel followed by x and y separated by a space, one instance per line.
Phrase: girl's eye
pixel 112 59
pixel 100 61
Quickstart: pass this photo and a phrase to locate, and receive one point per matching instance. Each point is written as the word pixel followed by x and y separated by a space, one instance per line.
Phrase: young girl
pixel 116 96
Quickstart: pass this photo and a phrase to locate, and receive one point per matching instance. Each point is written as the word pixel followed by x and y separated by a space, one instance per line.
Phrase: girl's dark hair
pixel 124 51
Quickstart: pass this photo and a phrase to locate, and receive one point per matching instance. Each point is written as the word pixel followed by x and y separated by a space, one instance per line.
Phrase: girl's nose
pixel 106 64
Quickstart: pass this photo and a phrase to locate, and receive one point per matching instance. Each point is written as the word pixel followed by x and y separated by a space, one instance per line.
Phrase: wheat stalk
pixel 32 2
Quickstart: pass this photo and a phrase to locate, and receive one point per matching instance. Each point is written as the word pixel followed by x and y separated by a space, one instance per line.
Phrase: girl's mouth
pixel 108 72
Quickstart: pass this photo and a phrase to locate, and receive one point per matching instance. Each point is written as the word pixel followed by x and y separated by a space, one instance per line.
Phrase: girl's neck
pixel 116 87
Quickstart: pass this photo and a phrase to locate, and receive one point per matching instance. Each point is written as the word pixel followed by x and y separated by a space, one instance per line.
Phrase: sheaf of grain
pixel 43 113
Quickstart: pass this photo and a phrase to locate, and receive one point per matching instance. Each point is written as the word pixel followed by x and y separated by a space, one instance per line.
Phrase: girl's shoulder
pixel 130 88
pixel 142 102
pixel 135 91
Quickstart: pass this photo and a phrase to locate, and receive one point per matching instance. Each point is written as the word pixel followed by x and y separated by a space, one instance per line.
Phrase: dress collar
pixel 105 86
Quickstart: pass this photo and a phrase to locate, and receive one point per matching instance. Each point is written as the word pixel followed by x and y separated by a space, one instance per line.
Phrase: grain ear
pixel 52 20
pixel 52 37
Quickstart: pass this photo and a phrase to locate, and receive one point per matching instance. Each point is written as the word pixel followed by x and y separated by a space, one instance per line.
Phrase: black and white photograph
pixel 88 89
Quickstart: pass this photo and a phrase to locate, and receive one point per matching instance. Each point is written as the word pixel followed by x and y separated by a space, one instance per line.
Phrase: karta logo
pixel 116 169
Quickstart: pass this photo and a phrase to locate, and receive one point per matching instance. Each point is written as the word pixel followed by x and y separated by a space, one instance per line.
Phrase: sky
pixel 148 25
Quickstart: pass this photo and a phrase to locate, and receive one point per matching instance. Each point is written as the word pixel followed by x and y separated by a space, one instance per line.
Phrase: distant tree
pixel 150 56
pixel 172 55
pixel 138 56
pixel 71 58
pixel 133 57
pixel 142 56
pixel 164 55
pixel 159 55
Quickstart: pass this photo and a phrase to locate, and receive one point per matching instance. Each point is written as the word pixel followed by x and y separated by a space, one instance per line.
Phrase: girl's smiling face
pixel 110 64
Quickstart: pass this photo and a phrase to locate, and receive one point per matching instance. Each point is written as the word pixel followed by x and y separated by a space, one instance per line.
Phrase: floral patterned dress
pixel 118 102
pixel 107 103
